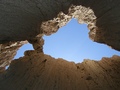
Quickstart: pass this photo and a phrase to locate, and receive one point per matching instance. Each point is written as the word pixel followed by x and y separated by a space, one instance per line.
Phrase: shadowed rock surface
pixel 23 20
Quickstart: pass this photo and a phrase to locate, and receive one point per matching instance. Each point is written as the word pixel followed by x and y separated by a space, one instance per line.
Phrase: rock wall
pixel 23 20
pixel 107 21
pixel 7 53
pixel 37 71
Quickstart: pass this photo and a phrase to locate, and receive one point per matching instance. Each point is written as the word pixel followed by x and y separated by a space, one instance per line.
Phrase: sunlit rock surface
pixel 30 20
pixel 38 71
pixel 7 53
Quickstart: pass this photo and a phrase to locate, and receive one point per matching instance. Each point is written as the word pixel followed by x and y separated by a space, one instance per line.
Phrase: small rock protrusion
pixel 29 52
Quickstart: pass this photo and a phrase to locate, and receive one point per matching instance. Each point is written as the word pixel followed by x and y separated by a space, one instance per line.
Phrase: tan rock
pixel 42 72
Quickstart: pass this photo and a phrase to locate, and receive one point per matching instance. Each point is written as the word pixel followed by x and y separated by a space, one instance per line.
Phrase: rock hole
pixel 22 49
pixel 20 52
pixel 44 60
pixel 72 43
pixel 7 67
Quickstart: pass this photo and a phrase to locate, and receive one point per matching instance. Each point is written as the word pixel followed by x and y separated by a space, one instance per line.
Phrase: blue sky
pixel 21 51
pixel 72 43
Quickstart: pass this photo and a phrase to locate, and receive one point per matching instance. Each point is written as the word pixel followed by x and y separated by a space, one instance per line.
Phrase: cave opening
pixel 25 47
pixel 20 52
pixel 72 43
